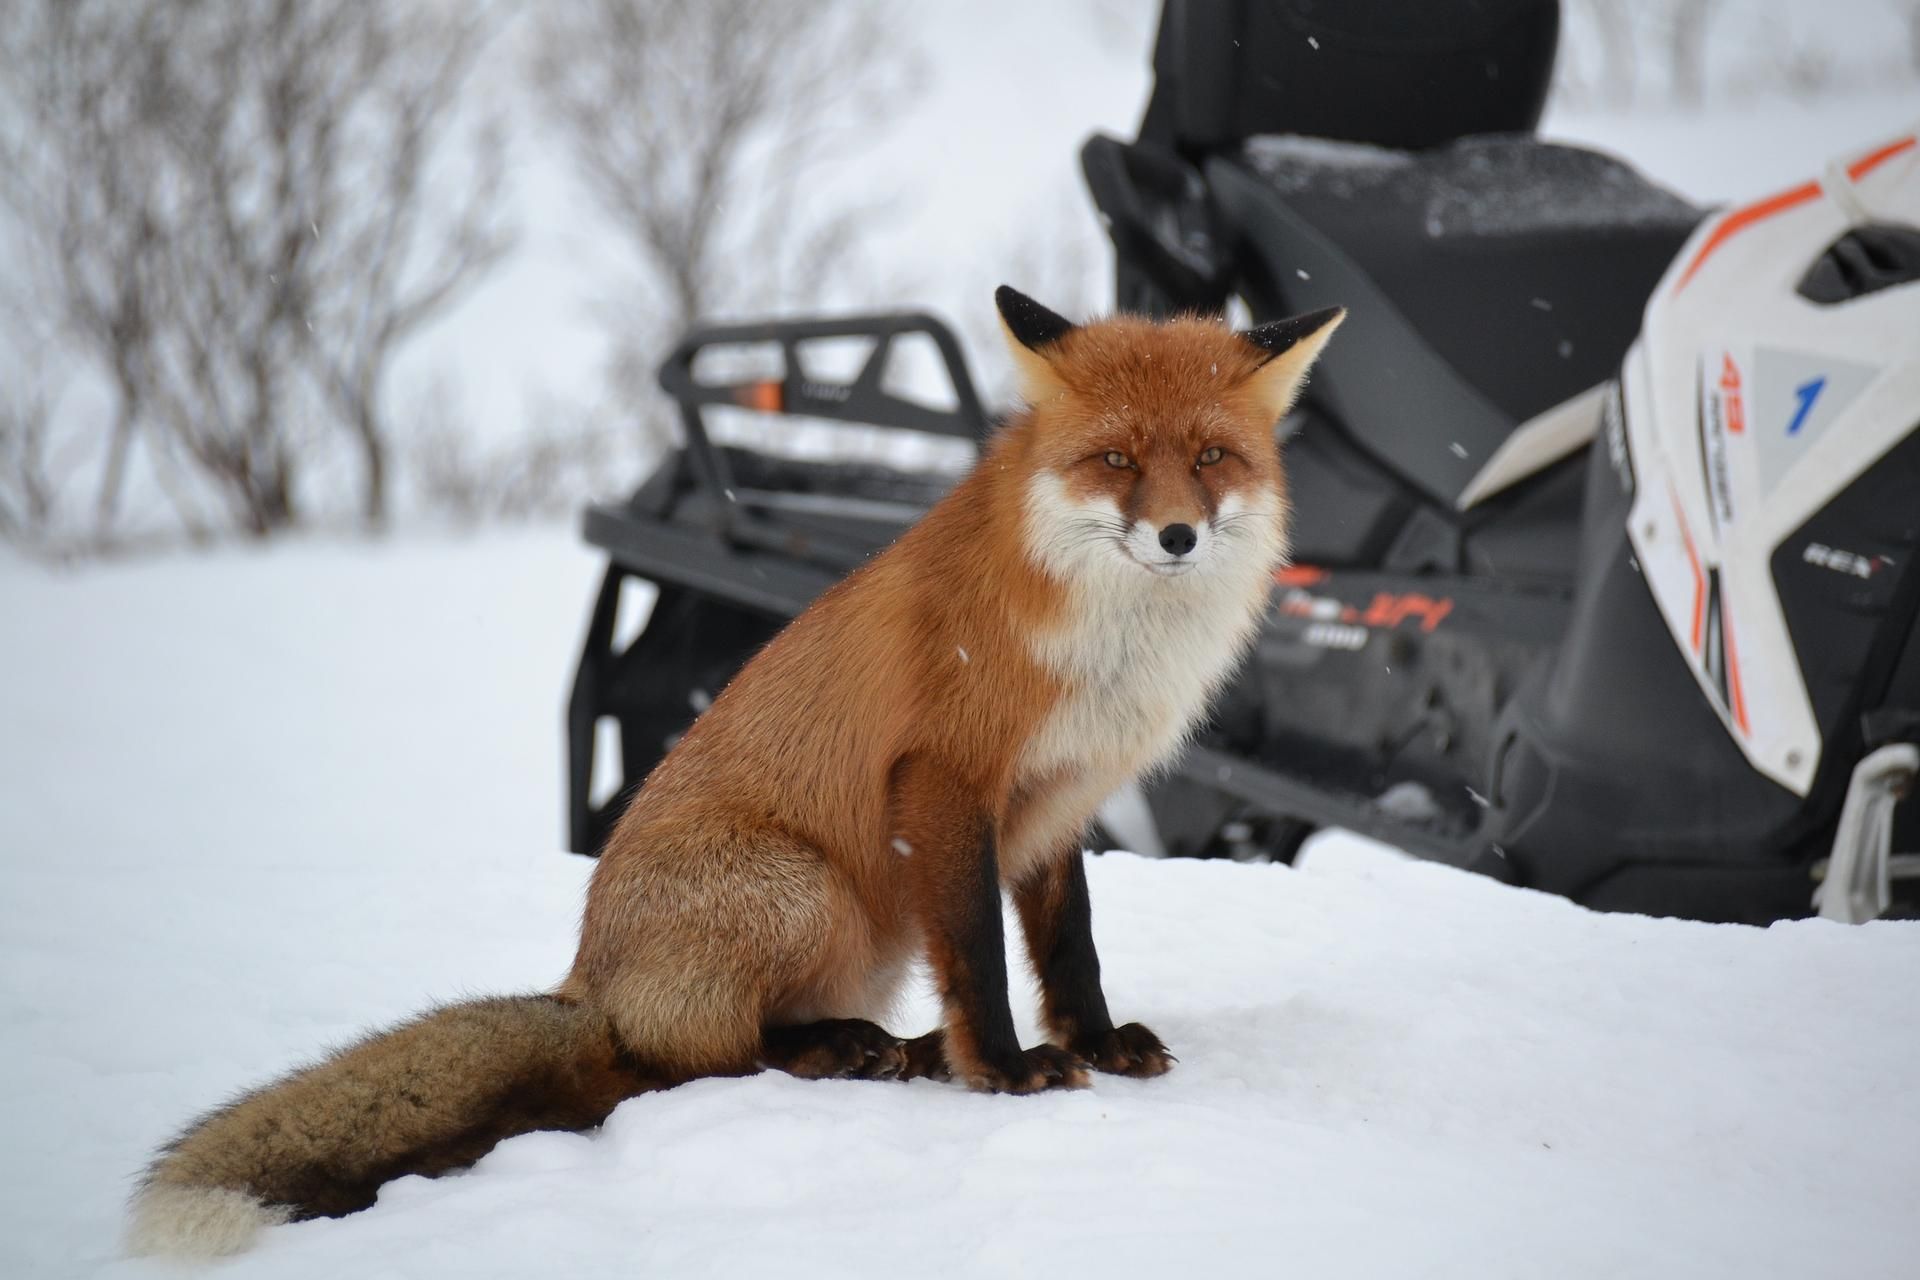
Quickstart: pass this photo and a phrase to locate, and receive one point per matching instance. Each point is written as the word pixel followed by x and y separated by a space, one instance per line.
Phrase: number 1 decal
pixel 1807 392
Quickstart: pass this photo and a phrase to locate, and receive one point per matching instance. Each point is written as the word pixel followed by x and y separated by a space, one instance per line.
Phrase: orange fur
pixel 937 726
pixel 758 862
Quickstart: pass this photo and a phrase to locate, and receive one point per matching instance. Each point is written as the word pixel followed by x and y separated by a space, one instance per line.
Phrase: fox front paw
pixel 1042 1067
pixel 1131 1050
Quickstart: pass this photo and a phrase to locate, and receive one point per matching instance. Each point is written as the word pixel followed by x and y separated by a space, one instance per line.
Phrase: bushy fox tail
pixel 432 1095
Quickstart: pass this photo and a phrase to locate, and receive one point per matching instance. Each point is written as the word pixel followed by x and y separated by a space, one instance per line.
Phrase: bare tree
pixel 92 225
pixel 28 489
pixel 1909 11
pixel 1630 35
pixel 1614 76
pixel 1687 25
pixel 1611 50
pixel 693 126
pixel 236 204
pixel 1619 52
pixel 382 266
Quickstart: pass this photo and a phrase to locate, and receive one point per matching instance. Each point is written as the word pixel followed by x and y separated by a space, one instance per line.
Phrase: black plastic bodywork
pixel 1381 71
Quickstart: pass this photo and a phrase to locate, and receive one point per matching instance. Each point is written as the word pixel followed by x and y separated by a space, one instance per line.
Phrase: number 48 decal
pixel 1806 393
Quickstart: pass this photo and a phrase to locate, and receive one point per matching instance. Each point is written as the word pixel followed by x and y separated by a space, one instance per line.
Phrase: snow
pixel 1479 186
pixel 255 802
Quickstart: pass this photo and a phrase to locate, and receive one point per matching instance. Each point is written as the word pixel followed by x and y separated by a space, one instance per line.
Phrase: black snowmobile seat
pixel 1487 280
pixel 1488 276
pixel 1397 73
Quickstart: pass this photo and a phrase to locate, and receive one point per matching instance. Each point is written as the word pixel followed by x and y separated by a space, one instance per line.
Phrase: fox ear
pixel 1288 349
pixel 1031 329
pixel 1030 324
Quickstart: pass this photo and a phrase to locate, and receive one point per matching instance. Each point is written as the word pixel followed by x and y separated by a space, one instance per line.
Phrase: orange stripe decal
pixel 1299 575
pixel 1874 159
pixel 1740 219
pixel 1693 562
pixel 1733 672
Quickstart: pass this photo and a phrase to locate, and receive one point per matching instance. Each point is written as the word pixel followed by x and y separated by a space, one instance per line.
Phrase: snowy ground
pixel 252 803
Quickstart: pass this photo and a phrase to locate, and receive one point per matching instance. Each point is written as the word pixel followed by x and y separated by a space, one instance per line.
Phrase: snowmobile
pixel 1605 504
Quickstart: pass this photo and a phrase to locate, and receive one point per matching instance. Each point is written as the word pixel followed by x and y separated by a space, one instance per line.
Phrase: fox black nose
pixel 1178 539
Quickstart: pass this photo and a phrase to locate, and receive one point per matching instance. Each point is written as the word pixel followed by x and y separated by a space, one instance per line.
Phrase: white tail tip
pixel 196 1222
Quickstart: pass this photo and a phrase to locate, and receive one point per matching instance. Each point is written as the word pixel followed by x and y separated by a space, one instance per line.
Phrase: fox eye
pixel 1210 456
pixel 1117 459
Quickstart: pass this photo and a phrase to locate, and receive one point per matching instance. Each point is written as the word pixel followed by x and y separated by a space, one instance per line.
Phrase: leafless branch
pixel 236 200
pixel 694 127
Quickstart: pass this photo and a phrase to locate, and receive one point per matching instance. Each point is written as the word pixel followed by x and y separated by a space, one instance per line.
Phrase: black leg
pixel 1057 917
pixel 953 872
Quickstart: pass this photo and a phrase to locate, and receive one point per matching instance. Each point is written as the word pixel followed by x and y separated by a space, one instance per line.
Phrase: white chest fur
pixel 1140 667
pixel 1141 655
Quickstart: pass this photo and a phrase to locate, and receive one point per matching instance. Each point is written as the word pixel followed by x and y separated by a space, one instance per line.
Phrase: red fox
pixel 938 727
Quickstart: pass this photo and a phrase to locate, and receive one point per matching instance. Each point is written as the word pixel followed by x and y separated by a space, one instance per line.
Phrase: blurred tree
pixel 1625 37
pixel 91 224
pixel 1619 56
pixel 240 217
pixel 693 127
pixel 1655 53
pixel 1910 11
pixel 1688 22
pixel 28 490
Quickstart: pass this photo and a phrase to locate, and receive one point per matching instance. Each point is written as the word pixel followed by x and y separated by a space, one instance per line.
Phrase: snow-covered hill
pixel 253 803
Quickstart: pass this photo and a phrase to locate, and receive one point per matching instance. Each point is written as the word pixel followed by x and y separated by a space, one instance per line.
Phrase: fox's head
pixel 1150 446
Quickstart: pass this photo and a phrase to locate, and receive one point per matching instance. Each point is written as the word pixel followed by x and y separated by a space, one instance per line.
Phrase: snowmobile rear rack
pixel 801 393
pixel 738 541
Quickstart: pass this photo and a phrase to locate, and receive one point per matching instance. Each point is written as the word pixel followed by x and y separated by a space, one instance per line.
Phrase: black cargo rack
pixel 756 535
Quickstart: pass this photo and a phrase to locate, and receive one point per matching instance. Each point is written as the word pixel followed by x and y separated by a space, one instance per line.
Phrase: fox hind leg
pixel 835 1049
pixel 854 1049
